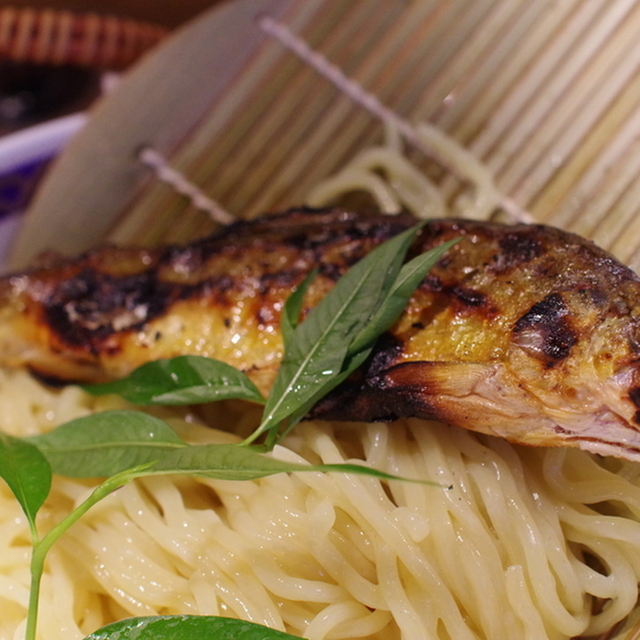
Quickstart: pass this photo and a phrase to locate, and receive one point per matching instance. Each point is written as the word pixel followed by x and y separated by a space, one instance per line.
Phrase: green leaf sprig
pixel 320 352
pixel 188 628
pixel 180 381
pixel 339 333
pixel 28 473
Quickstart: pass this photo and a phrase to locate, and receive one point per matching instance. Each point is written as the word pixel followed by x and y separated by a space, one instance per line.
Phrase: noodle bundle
pixel 509 542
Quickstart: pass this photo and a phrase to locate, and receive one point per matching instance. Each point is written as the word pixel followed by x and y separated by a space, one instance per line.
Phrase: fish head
pixel 577 352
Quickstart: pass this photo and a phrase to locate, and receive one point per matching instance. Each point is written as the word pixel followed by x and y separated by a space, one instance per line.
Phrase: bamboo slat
pixel 545 95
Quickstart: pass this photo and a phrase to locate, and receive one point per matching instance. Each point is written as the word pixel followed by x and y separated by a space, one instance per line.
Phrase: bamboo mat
pixel 545 94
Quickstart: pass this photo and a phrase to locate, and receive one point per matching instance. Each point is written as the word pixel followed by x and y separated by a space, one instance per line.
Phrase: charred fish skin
pixel 520 331
pixel 99 316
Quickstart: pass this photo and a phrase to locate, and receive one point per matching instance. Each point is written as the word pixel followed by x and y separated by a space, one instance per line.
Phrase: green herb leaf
pixel 318 347
pixel 187 628
pixel 408 280
pixel 388 312
pixel 350 364
pixel 182 380
pixel 28 474
pixel 103 444
pixel 237 462
pixel 293 307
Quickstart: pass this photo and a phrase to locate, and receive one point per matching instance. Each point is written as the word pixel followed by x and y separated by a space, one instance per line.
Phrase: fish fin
pixel 455 379
pixel 482 397
pixel 408 389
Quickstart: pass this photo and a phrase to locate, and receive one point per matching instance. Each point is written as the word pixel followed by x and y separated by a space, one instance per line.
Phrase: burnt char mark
pixel 432 283
pixel 364 396
pixel 469 297
pixel 520 247
pixel 331 271
pixel 307 229
pixel 365 400
pixel 516 249
pixel 634 396
pixel 91 306
pixel 387 350
pixel 375 393
pixel 85 309
pixel 287 278
pixel 372 400
pixel 546 330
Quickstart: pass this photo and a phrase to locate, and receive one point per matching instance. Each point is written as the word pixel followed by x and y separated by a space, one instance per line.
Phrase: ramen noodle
pixel 514 542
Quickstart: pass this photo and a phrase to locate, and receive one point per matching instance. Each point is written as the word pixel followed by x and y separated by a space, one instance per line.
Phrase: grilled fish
pixel 524 332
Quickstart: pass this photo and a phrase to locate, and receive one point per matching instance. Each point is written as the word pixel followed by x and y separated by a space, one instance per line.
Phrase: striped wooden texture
pixel 545 94
pixel 51 36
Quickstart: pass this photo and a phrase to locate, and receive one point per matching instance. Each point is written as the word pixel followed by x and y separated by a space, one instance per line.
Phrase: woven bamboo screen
pixel 545 94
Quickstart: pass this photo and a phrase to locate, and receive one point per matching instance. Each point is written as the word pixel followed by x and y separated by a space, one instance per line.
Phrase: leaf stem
pixel 42 546
pixel 37 566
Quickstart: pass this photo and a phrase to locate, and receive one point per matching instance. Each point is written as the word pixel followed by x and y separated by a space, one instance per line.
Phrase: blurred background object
pixel 543 97
pixel 56 59
pixel 53 54
pixel 51 60
pixel 168 13
pixel 31 93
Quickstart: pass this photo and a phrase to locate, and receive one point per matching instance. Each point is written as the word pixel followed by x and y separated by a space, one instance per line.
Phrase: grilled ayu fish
pixel 524 332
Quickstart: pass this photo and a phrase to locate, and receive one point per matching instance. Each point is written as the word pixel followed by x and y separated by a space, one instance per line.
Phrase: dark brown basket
pixel 49 36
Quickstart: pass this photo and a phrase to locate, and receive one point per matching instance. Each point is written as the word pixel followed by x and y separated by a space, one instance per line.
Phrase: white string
pixel 165 173
pixel 348 86
pixel 368 101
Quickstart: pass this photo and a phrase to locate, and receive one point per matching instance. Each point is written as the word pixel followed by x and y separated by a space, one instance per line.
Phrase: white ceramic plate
pixel 24 158
pixel 38 143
